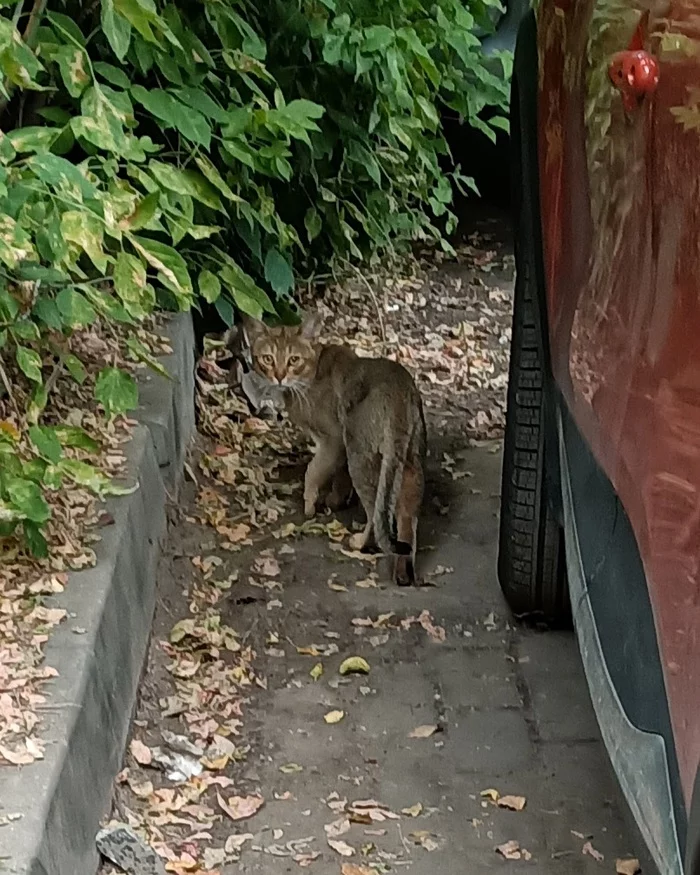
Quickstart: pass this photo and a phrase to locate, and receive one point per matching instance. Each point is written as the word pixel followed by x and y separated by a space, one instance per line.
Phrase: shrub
pixel 156 153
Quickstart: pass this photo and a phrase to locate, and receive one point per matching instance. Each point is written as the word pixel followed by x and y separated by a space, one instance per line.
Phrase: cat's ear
pixel 311 325
pixel 253 328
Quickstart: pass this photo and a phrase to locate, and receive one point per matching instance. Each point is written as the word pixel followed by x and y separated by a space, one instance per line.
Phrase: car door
pixel 620 181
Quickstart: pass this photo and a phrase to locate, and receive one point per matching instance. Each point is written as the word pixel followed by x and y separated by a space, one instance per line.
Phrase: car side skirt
pixel 640 758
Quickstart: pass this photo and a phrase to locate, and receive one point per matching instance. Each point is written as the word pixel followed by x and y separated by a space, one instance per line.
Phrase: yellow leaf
pixel 317 671
pixel 354 665
pixel 334 716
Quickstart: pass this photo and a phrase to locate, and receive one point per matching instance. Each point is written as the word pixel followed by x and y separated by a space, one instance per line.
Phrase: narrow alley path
pixel 399 767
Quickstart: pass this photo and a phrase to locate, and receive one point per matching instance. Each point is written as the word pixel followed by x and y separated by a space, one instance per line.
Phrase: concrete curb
pixel 86 718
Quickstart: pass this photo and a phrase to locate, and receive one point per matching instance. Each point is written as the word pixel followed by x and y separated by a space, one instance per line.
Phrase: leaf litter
pixel 243 495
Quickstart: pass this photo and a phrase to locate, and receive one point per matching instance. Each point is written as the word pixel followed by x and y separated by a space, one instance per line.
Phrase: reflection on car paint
pixel 621 229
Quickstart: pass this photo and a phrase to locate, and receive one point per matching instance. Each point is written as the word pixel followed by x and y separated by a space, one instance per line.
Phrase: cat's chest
pixel 315 411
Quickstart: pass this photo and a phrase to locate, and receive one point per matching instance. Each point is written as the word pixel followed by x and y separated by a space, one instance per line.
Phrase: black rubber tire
pixel 531 566
pixel 531 560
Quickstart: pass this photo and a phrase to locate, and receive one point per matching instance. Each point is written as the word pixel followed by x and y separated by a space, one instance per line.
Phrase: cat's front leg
pixel 326 461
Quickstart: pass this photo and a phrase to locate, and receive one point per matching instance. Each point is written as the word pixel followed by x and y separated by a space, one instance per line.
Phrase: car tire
pixel 531 560
pixel 531 565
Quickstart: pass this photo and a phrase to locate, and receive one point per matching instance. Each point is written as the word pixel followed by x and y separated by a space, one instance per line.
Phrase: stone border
pixel 63 797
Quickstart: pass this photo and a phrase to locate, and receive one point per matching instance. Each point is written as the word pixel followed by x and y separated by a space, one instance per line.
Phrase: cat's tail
pixel 391 474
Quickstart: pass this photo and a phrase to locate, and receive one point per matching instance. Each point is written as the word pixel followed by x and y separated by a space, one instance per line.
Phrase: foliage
pixel 156 153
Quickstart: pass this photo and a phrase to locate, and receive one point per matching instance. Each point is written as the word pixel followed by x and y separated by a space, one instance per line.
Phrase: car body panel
pixel 620 210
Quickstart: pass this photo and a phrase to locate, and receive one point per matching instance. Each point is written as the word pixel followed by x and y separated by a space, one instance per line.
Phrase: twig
pixel 403 840
pixel 8 386
pixel 374 299
pixel 30 32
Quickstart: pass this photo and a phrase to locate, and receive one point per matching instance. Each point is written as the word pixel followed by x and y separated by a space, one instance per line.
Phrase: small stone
pixel 120 845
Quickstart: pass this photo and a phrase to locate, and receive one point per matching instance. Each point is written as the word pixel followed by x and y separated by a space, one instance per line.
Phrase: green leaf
pixel 76 310
pixel 36 542
pixel 72 63
pixel 26 497
pixel 171 267
pixel 278 272
pixel 197 98
pixel 74 367
pixel 249 297
pixel 209 286
pixel 313 224
pixel 216 179
pixel 131 285
pixel 141 353
pixel 187 182
pixel 116 29
pixel 144 212
pixel 112 74
pixel 46 442
pixel 88 476
pixel 29 363
pixel 161 104
pixel 72 436
pixel 33 139
pixel 84 229
pixel 116 391
pixel 377 38
pixel 59 172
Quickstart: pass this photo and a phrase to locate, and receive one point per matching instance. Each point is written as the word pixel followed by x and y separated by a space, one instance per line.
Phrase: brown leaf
pixel 437 633
pixel 240 807
pixel 337 828
pixel 591 851
pixel 514 803
pixel 342 848
pixel 510 850
pixel 627 866
pixel 352 869
pixel 424 731
pixel 141 753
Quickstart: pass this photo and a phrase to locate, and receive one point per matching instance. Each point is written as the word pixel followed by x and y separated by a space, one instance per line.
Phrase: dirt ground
pixel 452 741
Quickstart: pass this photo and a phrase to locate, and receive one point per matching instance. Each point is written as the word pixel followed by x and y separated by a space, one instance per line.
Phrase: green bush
pixel 153 153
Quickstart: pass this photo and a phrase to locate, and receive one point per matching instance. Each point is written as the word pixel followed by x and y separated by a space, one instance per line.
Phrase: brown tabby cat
pixel 366 418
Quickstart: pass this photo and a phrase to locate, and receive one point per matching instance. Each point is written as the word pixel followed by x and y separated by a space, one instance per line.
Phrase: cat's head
pixel 286 355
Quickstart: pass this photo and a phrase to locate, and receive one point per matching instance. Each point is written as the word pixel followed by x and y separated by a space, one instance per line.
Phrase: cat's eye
pixel 294 360
pixel 267 359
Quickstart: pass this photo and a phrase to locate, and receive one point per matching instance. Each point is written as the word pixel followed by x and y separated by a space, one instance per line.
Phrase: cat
pixel 366 418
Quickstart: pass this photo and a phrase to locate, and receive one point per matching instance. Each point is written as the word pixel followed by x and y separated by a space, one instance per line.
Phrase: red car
pixel 600 514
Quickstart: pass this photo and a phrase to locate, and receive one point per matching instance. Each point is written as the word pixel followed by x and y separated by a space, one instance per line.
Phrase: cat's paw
pixel 358 541
pixel 309 509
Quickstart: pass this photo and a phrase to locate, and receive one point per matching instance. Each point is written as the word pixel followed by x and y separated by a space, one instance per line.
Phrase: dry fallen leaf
pixel 240 807
pixel 234 843
pixel 354 665
pixel 352 869
pixel 514 803
pixel 291 769
pixel 627 866
pixel 512 851
pixel 414 811
pixel 337 828
pixel 342 848
pixel 317 671
pixel 423 731
pixel 142 754
pixel 491 794
pixel 334 716
pixel 437 633
pixel 591 851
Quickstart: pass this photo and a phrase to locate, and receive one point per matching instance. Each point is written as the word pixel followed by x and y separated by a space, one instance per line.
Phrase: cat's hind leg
pixel 328 458
pixel 364 472
pixel 407 510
